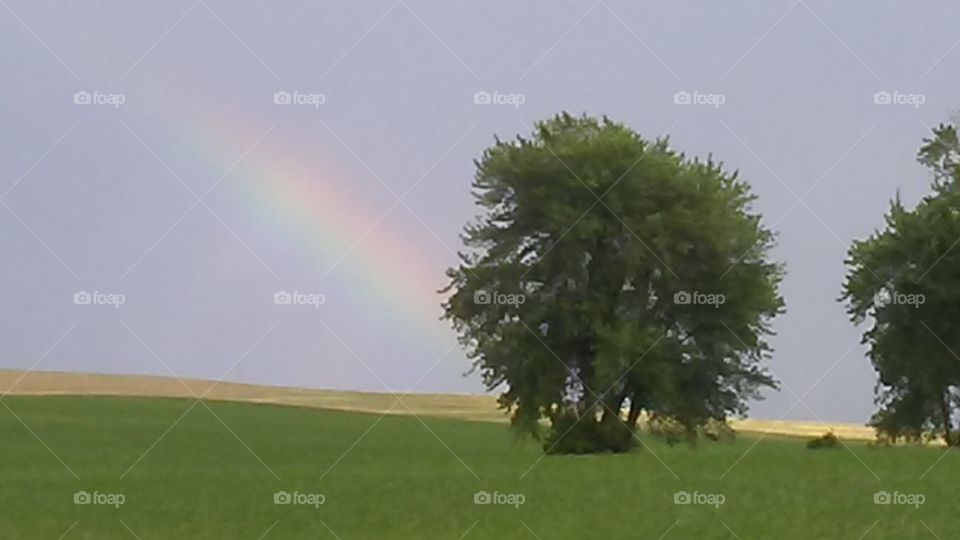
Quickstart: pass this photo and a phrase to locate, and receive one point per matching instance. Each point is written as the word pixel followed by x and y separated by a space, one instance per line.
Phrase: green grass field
pixel 398 477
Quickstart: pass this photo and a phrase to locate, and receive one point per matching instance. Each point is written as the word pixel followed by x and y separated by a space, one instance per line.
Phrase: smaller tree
pixel 906 279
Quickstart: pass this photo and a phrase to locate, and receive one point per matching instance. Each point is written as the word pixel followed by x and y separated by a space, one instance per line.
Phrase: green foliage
pixel 827 440
pixel 906 279
pixel 572 435
pixel 603 235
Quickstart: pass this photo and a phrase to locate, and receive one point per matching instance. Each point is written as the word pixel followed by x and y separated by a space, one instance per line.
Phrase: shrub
pixel 573 435
pixel 667 428
pixel 827 440
pixel 673 431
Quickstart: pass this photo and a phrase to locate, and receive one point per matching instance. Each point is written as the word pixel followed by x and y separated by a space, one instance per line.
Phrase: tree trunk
pixel 945 411
pixel 634 414
pixel 611 410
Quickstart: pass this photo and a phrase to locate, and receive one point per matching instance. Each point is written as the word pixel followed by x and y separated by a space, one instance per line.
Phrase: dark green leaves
pixel 644 278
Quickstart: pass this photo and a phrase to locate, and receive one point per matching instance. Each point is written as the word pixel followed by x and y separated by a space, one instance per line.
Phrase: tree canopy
pixel 610 273
pixel 906 279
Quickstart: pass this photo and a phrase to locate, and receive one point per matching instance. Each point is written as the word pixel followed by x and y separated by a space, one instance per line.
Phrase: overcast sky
pixel 149 156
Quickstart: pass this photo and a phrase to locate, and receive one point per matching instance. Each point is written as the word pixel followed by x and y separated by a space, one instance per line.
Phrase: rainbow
pixel 393 270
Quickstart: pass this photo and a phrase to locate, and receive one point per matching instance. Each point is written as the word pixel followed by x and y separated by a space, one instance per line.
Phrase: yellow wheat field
pixel 466 407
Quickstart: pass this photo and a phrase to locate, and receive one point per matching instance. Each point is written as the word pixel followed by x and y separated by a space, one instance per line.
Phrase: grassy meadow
pixel 217 471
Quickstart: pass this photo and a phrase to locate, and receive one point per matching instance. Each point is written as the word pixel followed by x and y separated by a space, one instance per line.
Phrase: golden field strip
pixel 465 407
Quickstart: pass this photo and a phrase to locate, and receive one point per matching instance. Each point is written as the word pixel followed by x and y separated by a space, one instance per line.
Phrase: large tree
pixel 609 273
pixel 906 279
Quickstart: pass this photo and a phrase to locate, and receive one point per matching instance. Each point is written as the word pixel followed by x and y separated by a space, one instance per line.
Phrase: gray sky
pixel 102 196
